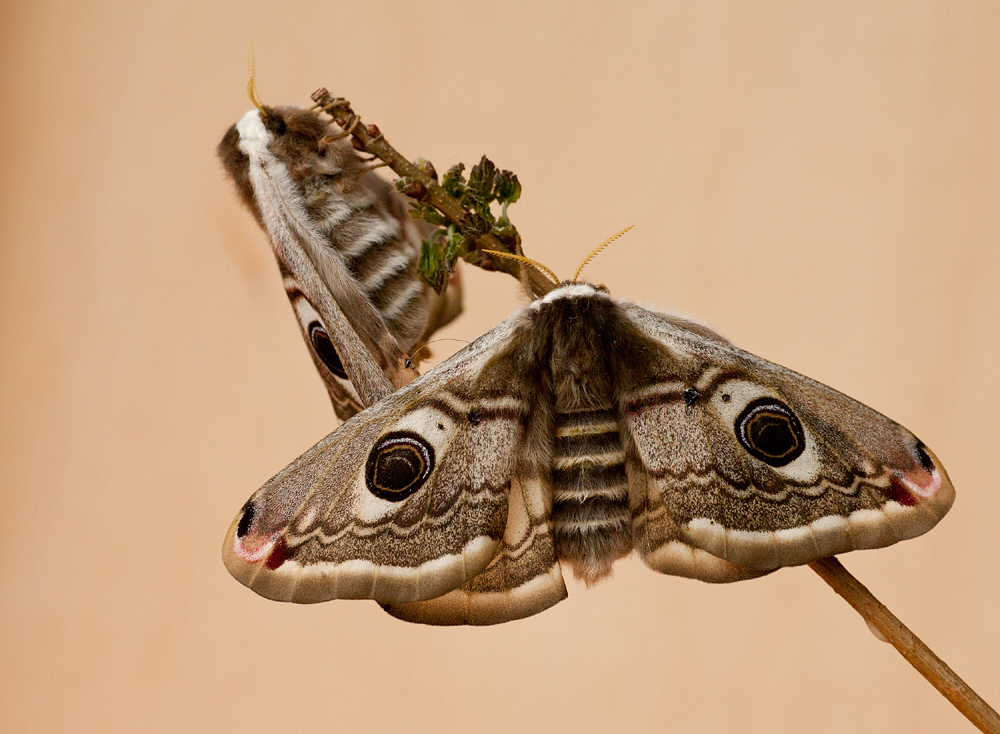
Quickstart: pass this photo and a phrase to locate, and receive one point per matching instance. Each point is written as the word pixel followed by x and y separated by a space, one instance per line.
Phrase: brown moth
pixel 346 248
pixel 579 429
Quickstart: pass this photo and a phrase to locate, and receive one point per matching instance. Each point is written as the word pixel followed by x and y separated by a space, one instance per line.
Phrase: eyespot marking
pixel 398 465
pixel 925 459
pixel 324 348
pixel 769 431
pixel 690 395
pixel 475 417
pixel 246 520
pixel 726 397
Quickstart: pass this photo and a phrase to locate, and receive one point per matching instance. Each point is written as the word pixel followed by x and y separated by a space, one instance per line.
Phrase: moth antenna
pixel 409 360
pixel 533 263
pixel 597 249
pixel 372 167
pixel 252 87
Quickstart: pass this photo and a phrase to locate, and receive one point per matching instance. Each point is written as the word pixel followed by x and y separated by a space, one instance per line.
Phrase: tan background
pixel 821 182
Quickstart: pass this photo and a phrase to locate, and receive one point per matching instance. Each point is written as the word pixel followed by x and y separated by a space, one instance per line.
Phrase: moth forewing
pixel 405 501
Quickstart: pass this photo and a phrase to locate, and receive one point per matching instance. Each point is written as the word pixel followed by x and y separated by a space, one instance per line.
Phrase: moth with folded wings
pixel 577 430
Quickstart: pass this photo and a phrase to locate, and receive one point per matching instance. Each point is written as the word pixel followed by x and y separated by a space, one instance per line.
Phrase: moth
pixel 347 250
pixel 581 429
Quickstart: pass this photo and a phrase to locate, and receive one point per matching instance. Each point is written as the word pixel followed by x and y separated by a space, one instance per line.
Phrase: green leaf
pixel 481 179
pixel 508 188
pixel 509 236
pixel 432 265
pixel 454 182
pixel 427 213
pixel 456 244
pixel 475 223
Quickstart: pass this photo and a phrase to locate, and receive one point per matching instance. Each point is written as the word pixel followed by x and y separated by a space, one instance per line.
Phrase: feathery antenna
pixel 597 249
pixel 533 263
pixel 252 87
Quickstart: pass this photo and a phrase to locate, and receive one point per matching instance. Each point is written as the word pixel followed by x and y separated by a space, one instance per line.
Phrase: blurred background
pixel 821 182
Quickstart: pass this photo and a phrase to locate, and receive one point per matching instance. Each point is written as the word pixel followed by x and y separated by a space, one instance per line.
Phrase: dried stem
pixel 911 647
pixel 370 140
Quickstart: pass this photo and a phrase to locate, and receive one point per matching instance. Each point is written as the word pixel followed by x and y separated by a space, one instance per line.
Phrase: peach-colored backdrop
pixel 820 181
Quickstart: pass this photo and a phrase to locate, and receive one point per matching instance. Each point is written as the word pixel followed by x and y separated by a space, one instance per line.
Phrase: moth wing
pixel 757 465
pixel 524 577
pixel 661 542
pixel 404 502
pixel 325 355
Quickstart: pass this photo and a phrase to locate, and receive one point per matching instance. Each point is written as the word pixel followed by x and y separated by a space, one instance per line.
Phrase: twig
pixel 911 647
pixel 370 139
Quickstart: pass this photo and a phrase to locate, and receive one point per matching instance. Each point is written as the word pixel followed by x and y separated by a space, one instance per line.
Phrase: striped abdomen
pixel 590 508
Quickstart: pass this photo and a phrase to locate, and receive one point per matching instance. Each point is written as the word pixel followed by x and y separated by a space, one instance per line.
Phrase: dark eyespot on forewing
pixel 246 519
pixel 398 465
pixel 925 459
pixel 690 395
pixel 769 431
pixel 320 341
pixel 475 417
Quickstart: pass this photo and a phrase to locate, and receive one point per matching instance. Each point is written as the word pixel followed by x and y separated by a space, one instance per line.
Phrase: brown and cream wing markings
pixel 764 467
pixel 340 234
pixel 576 430
pixel 406 501
pixel 524 577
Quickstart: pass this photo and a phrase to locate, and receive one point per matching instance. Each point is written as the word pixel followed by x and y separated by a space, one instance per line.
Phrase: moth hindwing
pixel 579 429
pixel 347 250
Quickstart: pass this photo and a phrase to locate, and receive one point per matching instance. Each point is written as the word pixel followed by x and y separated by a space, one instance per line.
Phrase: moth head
pixel 307 143
pixel 307 146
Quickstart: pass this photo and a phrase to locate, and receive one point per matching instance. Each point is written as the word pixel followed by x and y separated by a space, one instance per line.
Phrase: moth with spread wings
pixel 579 429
